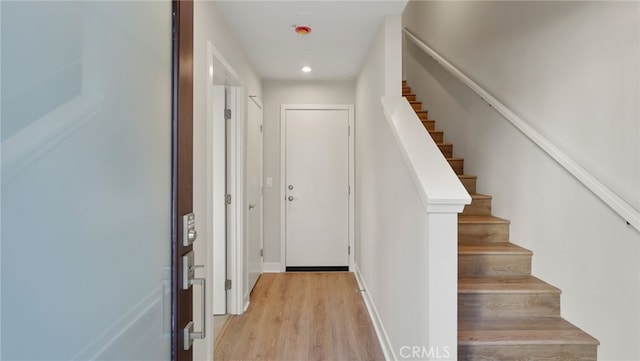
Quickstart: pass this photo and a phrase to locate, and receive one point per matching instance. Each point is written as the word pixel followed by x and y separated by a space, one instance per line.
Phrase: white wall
pixel 209 25
pixel 571 70
pixel 391 222
pixel 277 92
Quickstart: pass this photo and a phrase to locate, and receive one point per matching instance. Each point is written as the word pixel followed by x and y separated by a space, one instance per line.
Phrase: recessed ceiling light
pixel 306 69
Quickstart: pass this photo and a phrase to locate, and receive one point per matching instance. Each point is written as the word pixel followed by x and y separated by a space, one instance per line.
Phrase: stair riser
pixel 457 165
pixel 528 352
pixel 483 232
pixel 478 207
pixel 469 184
pixel 446 149
pixel 410 97
pixel 476 265
pixel 406 90
pixel 437 136
pixel 429 124
pixel 509 305
pixel 423 114
pixel 416 106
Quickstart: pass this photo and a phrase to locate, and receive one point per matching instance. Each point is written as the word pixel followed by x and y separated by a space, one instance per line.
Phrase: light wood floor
pixel 301 316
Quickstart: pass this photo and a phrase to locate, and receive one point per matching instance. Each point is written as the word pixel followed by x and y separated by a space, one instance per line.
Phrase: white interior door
pixel 253 251
pixel 317 187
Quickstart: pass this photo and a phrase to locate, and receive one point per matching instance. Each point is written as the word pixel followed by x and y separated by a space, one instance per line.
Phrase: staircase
pixel 504 313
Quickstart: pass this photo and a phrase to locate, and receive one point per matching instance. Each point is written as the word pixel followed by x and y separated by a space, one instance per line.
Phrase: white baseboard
pixel 383 339
pixel 271 267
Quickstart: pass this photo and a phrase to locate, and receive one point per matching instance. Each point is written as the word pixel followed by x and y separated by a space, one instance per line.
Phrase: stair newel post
pixel 442 249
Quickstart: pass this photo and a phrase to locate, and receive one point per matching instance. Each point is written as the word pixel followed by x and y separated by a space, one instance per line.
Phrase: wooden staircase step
pixel 437 135
pixel 423 114
pixel 523 338
pixel 482 228
pixel 410 97
pixel 457 164
pixel 429 124
pixel 504 284
pixel 493 259
pixel 480 205
pixel 406 90
pixel 468 181
pixel 446 149
pixel 507 296
pixel 416 105
pixel 404 83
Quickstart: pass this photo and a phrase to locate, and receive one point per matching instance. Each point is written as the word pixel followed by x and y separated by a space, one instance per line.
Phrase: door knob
pixel 290 187
pixel 290 198
pixel 252 205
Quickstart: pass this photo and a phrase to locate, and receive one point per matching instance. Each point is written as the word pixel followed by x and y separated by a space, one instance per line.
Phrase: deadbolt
pixel 290 187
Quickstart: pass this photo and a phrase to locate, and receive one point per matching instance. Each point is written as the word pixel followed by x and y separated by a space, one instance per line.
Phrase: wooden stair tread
pixel 504 284
pixel 482 220
pixel 504 331
pixel 491 248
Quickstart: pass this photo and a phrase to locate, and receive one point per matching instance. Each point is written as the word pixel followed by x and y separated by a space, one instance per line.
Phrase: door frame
pixel 283 172
pixel 182 171
pixel 235 159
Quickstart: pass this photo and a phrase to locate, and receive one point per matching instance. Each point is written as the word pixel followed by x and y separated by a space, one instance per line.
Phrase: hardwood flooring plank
pixel 301 316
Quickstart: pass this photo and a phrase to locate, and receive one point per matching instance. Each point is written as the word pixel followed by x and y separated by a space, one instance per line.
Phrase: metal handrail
pixel 610 198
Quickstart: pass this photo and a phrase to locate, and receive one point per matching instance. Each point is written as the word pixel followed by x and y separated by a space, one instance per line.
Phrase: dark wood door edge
pixel 182 166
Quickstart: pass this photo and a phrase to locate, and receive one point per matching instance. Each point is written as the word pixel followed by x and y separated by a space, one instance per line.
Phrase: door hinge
pixel 227 285
pixel 227 114
pixel 349 250
pixel 260 128
pixel 261 252
pixel 349 131
pixel 227 199
pixel 349 189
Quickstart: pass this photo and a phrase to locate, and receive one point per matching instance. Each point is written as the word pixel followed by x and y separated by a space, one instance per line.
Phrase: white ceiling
pixel 342 33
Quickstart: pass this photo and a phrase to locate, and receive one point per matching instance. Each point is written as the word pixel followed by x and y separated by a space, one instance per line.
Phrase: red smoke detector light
pixel 303 29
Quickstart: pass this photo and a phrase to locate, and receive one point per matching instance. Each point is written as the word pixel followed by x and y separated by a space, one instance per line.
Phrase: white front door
pixel 316 187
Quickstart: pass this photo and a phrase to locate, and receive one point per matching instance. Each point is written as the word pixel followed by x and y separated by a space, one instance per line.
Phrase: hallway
pixel 301 316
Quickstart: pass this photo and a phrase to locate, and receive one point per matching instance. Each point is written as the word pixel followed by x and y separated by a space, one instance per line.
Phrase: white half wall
pixel 391 223
pixel 571 70
pixel 276 93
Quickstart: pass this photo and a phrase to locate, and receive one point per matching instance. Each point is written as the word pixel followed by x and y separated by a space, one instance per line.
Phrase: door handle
pixel 188 332
pixel 188 280
pixel 290 198
pixel 252 206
